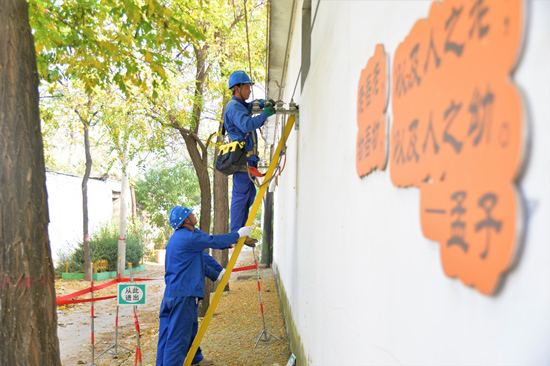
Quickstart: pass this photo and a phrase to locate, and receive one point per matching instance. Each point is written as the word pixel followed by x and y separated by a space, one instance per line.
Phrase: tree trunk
pixel 87 254
pixel 200 161
pixel 122 219
pixel 221 220
pixel 201 168
pixel 28 319
pixel 205 303
pixel 221 210
pixel 134 207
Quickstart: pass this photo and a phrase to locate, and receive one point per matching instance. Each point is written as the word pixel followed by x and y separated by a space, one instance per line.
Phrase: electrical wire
pixel 278 169
pixel 286 51
pixel 307 46
pixel 248 44
pixel 283 150
pixel 267 13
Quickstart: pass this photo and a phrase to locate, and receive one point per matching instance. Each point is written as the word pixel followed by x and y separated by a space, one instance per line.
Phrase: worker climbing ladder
pixel 255 206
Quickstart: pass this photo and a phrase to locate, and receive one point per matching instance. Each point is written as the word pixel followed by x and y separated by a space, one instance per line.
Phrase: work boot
pixel 203 362
pixel 248 241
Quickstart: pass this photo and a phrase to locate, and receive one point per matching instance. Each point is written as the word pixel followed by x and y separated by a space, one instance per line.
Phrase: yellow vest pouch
pixel 231 158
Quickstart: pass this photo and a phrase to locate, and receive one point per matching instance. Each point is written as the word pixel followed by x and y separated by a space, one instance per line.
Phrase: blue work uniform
pixel 241 126
pixel 184 278
pixel 212 268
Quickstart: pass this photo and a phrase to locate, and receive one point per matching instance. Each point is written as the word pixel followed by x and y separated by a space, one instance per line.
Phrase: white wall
pixel 365 287
pixel 65 208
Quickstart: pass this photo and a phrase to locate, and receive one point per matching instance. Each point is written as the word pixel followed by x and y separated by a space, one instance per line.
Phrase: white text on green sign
pixel 131 294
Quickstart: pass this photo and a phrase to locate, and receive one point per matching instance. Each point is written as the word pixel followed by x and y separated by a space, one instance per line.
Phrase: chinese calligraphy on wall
pixel 458 133
pixel 372 102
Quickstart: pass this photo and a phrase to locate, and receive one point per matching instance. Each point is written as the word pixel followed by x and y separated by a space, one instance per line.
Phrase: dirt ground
pixel 230 338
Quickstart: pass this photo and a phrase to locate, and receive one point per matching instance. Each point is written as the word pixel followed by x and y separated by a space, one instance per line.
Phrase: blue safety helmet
pixel 239 77
pixel 178 215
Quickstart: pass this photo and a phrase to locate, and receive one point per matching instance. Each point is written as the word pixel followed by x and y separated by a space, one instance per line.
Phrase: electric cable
pixel 307 45
pixel 278 169
pixel 286 51
pixel 283 150
pixel 267 12
pixel 248 44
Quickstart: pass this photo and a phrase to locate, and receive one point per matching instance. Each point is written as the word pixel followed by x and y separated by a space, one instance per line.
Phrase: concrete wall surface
pixel 65 208
pixel 362 285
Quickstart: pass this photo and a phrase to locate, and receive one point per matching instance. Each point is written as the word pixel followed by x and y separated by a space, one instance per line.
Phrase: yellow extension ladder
pixel 218 294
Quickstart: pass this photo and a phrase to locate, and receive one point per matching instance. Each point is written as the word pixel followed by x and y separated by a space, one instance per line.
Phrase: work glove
pixel 244 231
pixel 269 111
pixel 220 275
pixel 250 242
pixel 271 103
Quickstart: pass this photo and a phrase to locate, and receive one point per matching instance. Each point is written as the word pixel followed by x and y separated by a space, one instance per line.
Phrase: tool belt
pixel 231 158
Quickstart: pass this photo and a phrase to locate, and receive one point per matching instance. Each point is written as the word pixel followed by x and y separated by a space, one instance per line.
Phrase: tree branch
pixel 210 138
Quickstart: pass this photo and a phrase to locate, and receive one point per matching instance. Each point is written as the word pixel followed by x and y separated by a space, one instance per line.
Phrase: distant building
pixel 65 208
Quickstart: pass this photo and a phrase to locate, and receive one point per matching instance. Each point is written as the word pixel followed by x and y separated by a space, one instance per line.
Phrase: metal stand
pixel 93 339
pixel 113 349
pixel 265 335
pixel 136 322
pixel 138 336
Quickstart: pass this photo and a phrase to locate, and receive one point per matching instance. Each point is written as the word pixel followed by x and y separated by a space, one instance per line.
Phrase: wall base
pixel 296 346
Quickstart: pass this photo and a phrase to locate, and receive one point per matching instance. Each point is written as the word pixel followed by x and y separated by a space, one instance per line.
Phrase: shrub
pixel 64 256
pixel 104 245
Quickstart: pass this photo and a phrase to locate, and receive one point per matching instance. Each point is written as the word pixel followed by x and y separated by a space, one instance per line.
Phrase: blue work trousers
pixel 178 328
pixel 244 192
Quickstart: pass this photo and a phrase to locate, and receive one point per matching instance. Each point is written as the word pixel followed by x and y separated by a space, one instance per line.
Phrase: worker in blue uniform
pixel 241 126
pixel 184 277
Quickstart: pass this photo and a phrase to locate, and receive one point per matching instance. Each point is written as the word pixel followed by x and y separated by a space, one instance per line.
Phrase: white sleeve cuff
pixel 220 275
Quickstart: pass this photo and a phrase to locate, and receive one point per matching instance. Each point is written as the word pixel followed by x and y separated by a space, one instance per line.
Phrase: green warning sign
pixel 291 360
pixel 131 294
